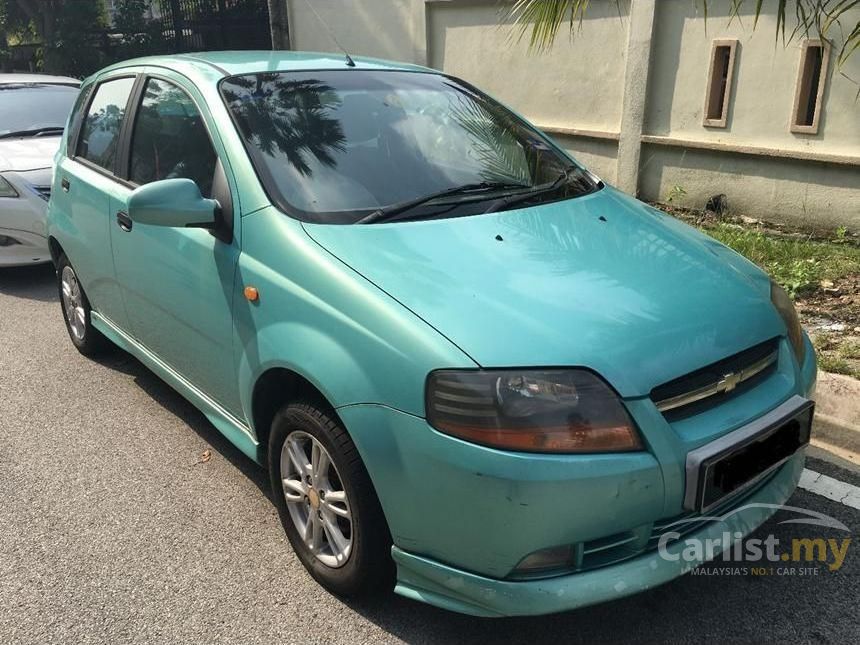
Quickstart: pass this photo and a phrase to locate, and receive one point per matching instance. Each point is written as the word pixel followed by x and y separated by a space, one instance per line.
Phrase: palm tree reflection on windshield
pixel 501 156
pixel 293 118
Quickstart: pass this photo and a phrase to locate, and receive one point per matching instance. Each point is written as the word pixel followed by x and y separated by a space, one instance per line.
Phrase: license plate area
pixel 736 461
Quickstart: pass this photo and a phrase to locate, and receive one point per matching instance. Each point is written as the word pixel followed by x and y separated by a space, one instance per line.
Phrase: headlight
pixel 6 189
pixel 785 307
pixel 530 410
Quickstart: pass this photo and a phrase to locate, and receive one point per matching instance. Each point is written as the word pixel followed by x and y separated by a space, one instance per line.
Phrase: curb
pixel 837 412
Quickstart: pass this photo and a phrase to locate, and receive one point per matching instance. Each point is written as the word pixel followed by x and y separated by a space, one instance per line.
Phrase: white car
pixel 33 113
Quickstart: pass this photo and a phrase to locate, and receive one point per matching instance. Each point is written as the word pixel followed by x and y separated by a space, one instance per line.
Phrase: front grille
pixel 714 383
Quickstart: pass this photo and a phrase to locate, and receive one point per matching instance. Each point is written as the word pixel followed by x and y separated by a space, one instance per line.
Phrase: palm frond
pixel 852 44
pixel 543 19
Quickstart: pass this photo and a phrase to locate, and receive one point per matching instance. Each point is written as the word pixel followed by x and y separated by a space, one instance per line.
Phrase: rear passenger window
pixel 169 139
pixel 99 138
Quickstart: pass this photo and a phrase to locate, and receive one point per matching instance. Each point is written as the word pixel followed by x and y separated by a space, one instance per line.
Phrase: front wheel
pixel 327 503
pixel 88 340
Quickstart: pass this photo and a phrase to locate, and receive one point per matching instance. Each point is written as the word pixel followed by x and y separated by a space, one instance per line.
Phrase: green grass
pixel 837 365
pixel 850 349
pixel 798 264
pixel 837 354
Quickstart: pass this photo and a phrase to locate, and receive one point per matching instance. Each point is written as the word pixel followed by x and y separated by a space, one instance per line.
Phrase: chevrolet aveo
pixel 475 372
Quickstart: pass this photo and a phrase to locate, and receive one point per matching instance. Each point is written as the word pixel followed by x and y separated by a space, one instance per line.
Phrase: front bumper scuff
pixel 443 586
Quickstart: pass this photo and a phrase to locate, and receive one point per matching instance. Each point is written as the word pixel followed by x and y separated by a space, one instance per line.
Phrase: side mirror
pixel 172 202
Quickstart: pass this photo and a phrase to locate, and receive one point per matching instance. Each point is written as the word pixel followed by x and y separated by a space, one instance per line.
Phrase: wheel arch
pixel 55 249
pixel 275 388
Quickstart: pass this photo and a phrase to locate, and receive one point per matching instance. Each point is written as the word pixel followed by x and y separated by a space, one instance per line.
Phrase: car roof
pixel 218 64
pixel 11 79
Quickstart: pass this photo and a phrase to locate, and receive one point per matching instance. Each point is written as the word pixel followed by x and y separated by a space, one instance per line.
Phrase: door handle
pixel 64 184
pixel 124 221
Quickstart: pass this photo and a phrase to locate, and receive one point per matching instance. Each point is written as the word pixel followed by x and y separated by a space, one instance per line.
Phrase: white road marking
pixel 830 488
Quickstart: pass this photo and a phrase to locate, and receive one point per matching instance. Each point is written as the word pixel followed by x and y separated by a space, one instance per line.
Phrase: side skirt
pixel 236 431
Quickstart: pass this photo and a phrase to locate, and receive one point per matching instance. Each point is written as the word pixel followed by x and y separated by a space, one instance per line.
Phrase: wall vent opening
pixel 810 87
pixel 720 74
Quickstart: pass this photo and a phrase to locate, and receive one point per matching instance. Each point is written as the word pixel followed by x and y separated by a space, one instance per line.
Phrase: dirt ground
pixel 831 315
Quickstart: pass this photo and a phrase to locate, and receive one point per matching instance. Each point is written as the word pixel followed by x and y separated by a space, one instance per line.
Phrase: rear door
pixel 84 180
pixel 177 283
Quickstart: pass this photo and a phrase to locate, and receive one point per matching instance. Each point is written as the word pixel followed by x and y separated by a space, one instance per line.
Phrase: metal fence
pixel 168 26
pixel 200 25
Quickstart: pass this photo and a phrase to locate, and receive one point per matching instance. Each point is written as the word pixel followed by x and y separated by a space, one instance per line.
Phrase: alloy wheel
pixel 316 499
pixel 73 303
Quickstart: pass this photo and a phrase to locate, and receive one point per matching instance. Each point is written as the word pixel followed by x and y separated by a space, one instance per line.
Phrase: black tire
pixel 91 342
pixel 369 568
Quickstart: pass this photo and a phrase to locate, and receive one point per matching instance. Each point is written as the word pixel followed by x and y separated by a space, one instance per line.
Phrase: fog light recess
pixel 546 561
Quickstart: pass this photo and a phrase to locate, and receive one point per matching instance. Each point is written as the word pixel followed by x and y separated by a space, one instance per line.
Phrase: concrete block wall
pixel 625 94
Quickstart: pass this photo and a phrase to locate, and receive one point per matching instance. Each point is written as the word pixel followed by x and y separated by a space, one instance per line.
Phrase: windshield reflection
pixel 292 118
pixel 332 146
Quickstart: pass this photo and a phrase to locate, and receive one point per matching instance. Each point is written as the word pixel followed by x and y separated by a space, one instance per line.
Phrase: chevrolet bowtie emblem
pixel 728 382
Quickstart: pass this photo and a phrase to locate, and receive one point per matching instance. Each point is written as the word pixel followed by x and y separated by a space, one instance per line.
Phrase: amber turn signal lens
pixel 252 294
pixel 564 439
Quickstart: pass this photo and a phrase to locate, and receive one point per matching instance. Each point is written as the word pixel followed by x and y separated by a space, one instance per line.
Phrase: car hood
pixel 602 281
pixel 29 153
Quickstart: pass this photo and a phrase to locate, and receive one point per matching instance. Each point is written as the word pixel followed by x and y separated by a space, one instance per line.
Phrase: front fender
pixel 320 359
pixel 319 318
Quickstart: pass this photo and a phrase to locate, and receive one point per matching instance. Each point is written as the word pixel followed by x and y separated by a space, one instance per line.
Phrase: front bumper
pixel 437 584
pixel 30 249
pixel 463 516
pixel 23 219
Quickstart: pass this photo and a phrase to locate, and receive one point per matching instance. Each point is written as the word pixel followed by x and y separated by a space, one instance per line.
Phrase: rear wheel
pixel 88 340
pixel 327 503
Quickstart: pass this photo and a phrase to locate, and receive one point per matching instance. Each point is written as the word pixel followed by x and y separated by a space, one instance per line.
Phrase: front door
pixel 177 283
pixel 84 180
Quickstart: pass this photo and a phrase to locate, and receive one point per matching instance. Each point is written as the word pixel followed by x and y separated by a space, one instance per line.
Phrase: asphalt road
pixel 114 530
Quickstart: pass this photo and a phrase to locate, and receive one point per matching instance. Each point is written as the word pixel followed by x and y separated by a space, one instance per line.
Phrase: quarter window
pixel 78 112
pixel 100 133
pixel 169 139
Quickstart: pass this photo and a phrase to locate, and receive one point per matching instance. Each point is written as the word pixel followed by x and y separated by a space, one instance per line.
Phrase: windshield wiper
pixel 391 213
pixel 548 187
pixel 36 132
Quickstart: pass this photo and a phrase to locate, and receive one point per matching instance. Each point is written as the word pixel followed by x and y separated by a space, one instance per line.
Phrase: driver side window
pixel 169 139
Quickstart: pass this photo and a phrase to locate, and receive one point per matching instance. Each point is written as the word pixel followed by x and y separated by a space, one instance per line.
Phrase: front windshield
pixel 33 108
pixel 333 146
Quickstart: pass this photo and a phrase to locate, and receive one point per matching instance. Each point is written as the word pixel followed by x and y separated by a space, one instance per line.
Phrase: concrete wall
pixel 382 28
pixel 625 95
pixel 763 88
pixel 799 187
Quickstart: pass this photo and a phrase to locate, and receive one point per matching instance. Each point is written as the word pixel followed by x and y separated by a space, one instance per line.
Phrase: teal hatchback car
pixel 475 372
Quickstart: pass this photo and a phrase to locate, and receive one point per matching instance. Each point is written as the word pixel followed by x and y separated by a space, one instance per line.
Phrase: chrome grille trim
pixel 726 383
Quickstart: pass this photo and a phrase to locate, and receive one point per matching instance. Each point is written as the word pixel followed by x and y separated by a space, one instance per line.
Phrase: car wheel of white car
pixel 88 340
